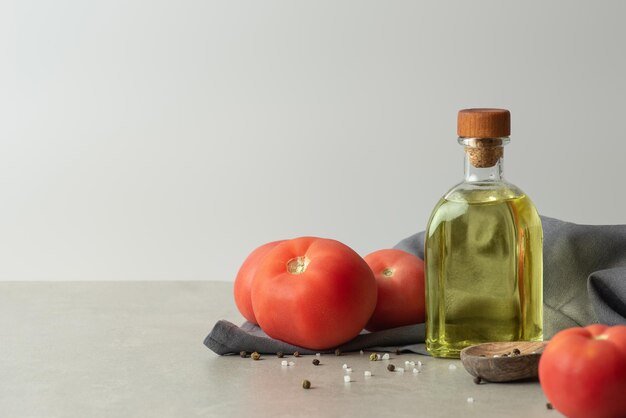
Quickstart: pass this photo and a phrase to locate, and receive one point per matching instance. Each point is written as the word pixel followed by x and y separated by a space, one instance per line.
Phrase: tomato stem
pixel 297 265
pixel 388 272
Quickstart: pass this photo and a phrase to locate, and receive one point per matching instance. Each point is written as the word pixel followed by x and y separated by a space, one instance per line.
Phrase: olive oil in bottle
pixel 483 249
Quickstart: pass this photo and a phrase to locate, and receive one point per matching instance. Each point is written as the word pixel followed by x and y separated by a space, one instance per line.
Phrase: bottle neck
pixel 483 174
pixel 484 159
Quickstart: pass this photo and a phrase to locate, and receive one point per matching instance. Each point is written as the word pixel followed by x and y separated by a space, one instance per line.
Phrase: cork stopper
pixel 484 129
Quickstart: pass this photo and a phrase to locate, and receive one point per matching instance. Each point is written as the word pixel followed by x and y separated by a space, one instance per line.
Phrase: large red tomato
pixel 400 279
pixel 583 372
pixel 243 281
pixel 313 292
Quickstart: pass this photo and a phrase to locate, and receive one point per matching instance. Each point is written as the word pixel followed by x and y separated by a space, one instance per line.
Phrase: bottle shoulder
pixel 483 192
pixel 491 204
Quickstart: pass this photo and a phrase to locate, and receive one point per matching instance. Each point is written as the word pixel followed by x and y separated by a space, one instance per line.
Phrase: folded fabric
pixel 584 271
pixel 228 338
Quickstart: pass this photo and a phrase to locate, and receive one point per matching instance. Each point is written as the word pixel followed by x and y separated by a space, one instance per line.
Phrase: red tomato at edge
pixel 582 372
pixel 401 298
pixel 313 292
pixel 243 281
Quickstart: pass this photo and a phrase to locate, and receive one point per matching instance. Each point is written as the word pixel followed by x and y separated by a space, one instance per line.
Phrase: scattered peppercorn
pixel 391 367
pixel 296 354
pixel 316 362
pixel 338 352
pixel 243 354
pixel 398 352
pixel 373 357
pixel 280 354
pixel 505 355
pixel 478 380
pixel 516 352
pixel 255 356
pixel 549 406
pixel 306 384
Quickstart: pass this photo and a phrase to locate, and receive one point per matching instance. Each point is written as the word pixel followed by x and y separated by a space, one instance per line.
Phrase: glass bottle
pixel 483 250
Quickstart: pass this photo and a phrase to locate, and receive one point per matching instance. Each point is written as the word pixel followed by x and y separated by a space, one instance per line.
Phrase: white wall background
pixel 145 139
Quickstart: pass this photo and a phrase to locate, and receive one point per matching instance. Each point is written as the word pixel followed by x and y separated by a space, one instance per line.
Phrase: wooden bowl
pixel 499 362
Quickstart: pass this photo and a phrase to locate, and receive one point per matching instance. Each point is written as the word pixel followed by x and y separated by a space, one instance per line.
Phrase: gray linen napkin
pixel 584 282
pixel 227 338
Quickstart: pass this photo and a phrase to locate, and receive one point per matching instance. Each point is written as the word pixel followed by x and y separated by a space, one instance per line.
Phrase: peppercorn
pixel 306 384
pixel 255 356
pixel 296 354
pixel 243 354
pixel 478 380
pixel 549 406
pixel 398 352
pixel 391 367
pixel 316 362
pixel 280 354
pixel 516 352
pixel 338 352
pixel 373 357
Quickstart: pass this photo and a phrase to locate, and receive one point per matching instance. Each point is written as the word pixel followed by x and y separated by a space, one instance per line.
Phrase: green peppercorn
pixel 391 367
pixel 316 362
pixel 373 357
pixel 306 384
pixel 255 356
pixel 243 354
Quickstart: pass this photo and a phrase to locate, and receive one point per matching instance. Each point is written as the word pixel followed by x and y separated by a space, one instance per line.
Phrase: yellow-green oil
pixel 483 268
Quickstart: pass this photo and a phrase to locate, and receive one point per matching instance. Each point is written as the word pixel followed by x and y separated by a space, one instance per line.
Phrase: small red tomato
pixel 400 279
pixel 243 281
pixel 313 292
pixel 583 372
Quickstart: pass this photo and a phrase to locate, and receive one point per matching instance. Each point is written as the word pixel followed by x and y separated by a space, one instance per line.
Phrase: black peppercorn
pixel 243 354
pixel 337 352
pixel 316 362
pixel 391 367
pixel 296 354
pixel 549 406
pixel 280 354
pixel 306 384
pixel 478 380
pixel 516 352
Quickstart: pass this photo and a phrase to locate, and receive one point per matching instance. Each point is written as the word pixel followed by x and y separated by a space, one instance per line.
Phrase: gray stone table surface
pixel 134 349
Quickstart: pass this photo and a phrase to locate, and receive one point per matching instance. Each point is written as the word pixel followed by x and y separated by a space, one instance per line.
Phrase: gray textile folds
pixel 584 275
